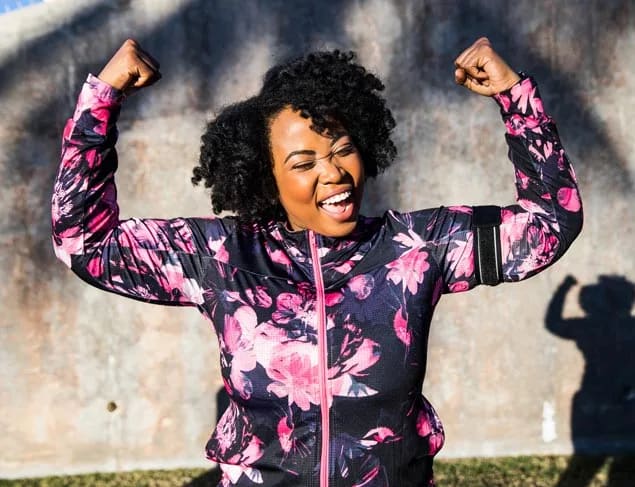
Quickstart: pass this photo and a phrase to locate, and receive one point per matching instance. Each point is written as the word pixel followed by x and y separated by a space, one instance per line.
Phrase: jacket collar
pixel 275 251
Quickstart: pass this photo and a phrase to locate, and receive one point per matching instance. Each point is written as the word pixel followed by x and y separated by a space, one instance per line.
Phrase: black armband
pixel 488 265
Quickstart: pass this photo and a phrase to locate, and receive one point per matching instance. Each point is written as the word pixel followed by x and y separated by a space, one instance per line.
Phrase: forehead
pixel 289 131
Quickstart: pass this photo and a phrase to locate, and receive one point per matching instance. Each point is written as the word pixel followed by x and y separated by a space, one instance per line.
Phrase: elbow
pixel 61 253
pixel 570 229
pixel 65 247
pixel 570 215
pixel 61 243
pixel 580 223
pixel 577 221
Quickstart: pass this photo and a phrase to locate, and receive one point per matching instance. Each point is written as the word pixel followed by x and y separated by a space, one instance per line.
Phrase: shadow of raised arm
pixel 556 324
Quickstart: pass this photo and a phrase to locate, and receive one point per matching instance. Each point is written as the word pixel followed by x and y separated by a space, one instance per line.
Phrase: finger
pixel 475 71
pixel 142 83
pixel 477 87
pixel 459 76
pixel 462 58
pixel 143 74
pixel 142 60
pixel 146 77
pixel 141 53
pixel 149 59
pixel 472 52
pixel 145 68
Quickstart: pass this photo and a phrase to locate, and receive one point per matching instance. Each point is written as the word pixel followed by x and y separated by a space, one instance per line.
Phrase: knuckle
pixel 130 46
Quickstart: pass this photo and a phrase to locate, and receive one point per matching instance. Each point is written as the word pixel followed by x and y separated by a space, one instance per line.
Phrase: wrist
pixel 513 79
pixel 104 91
pixel 504 98
pixel 118 82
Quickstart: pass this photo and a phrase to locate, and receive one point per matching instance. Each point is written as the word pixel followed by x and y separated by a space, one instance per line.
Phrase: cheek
pixel 356 169
pixel 294 189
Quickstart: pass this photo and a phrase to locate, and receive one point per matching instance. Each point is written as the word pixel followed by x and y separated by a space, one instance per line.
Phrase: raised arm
pixel 547 216
pixel 554 320
pixel 153 260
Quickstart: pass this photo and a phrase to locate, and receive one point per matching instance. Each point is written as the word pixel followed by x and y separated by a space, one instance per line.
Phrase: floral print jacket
pixel 322 340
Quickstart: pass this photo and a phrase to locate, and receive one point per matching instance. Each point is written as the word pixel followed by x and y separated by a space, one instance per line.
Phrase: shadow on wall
pixel 202 38
pixel 603 409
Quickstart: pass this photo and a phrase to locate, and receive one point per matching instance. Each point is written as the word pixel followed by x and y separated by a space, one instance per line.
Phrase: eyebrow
pixel 299 152
pixel 308 152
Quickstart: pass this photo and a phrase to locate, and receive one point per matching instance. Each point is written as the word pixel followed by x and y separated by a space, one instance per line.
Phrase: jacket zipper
pixel 322 359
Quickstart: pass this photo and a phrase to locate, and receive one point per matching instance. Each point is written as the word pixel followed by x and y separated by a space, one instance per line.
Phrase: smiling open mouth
pixel 338 204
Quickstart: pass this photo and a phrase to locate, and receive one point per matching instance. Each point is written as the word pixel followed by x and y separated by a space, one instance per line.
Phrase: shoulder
pixel 430 222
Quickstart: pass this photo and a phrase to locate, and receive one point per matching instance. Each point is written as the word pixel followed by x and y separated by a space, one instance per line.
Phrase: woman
pixel 322 314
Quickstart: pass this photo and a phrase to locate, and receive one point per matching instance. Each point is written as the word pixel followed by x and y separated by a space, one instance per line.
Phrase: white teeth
pixel 336 198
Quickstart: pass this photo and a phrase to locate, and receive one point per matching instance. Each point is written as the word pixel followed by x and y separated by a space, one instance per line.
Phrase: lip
pixel 336 192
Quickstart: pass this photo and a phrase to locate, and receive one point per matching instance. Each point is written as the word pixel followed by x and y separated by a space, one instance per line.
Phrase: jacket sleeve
pixel 547 216
pixel 153 260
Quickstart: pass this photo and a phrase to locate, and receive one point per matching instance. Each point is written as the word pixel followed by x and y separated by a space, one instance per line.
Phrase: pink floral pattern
pixel 236 447
pixel 293 376
pixel 409 269
pixel 258 288
pixel 355 355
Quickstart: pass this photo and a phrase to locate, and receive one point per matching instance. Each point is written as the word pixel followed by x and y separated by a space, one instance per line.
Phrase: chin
pixel 339 230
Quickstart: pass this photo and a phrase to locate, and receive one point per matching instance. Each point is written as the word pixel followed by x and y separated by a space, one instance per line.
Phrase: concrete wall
pixel 501 381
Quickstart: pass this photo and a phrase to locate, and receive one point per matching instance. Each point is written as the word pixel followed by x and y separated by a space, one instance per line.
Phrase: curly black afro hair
pixel 328 87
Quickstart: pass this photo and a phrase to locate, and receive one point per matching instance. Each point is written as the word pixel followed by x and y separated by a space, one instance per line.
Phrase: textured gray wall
pixel 501 381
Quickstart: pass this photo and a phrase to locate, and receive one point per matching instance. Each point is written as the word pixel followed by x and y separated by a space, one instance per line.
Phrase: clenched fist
pixel 130 69
pixel 480 69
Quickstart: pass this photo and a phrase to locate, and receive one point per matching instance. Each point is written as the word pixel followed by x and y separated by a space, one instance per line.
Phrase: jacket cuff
pixel 103 91
pixel 521 106
pixel 100 99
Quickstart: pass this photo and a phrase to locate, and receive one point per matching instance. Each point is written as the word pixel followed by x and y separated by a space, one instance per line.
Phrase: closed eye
pixel 345 150
pixel 342 151
pixel 304 165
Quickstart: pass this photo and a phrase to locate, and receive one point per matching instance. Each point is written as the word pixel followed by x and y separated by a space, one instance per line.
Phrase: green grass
pixel 535 471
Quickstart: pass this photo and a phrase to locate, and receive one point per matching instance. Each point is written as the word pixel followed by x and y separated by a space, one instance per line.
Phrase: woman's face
pixel 320 177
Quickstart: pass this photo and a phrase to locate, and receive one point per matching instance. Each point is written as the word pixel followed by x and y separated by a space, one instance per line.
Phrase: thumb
pixel 472 84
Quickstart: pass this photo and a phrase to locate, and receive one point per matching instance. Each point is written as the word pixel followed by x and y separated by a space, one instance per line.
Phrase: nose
pixel 330 170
